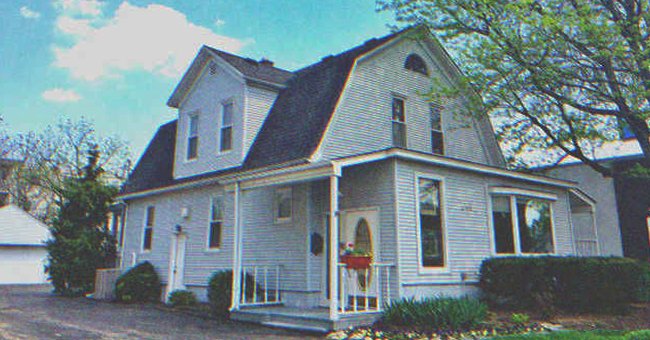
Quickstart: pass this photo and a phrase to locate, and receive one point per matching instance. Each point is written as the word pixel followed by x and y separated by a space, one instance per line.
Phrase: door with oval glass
pixel 361 227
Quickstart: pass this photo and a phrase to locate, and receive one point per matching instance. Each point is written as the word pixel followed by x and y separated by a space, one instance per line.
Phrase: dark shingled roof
pixel 292 130
pixel 300 114
pixel 254 69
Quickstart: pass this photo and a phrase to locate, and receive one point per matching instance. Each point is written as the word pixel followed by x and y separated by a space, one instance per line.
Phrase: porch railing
pixel 586 247
pixel 260 285
pixel 364 290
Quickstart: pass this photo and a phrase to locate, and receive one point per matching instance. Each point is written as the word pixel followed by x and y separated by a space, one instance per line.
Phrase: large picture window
pixel 522 225
pixel 432 247
pixel 150 217
pixel 216 222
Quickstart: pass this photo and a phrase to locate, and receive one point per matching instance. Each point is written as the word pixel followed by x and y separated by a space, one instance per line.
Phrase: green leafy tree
pixel 562 75
pixel 80 245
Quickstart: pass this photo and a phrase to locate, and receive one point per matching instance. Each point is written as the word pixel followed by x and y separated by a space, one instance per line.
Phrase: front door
pixel 176 264
pixel 361 227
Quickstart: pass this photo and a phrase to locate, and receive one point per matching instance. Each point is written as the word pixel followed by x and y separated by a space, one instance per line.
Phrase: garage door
pixel 22 265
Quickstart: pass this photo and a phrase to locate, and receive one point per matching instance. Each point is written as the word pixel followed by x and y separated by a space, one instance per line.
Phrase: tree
pixel 80 245
pixel 49 157
pixel 559 75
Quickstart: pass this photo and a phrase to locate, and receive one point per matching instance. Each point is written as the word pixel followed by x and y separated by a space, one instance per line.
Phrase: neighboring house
pixel 621 205
pixel 22 249
pixel 265 171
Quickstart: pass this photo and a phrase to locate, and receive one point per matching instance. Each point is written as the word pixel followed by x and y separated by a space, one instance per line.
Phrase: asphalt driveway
pixel 34 313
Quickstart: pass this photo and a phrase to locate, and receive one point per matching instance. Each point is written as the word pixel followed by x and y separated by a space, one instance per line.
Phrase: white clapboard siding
pixel 258 104
pixel 206 98
pixel 362 122
pixel 468 236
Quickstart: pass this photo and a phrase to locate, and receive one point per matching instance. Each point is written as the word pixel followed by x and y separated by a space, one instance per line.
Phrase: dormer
pixel 222 101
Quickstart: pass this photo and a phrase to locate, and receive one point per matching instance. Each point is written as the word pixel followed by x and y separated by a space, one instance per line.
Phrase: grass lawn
pixel 584 335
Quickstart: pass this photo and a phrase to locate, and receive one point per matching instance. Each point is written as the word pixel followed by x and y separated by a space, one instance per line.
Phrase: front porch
pixel 289 272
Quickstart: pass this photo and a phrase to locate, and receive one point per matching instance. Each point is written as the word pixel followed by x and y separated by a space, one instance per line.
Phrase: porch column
pixel 334 247
pixel 237 252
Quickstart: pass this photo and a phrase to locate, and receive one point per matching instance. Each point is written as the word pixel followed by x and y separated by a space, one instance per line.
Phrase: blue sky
pixel 117 62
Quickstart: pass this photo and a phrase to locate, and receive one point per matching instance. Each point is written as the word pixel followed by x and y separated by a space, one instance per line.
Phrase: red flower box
pixel 356 262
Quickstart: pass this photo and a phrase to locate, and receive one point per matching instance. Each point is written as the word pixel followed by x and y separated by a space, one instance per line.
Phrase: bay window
pixel 522 225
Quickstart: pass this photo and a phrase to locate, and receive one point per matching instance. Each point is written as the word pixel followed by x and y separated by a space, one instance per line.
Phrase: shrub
pixel 577 284
pixel 138 284
pixel 520 318
pixel 638 335
pixel 182 298
pixel 441 313
pixel 644 285
pixel 220 291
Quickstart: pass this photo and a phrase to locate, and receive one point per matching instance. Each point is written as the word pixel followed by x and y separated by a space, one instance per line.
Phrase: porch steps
pixel 304 319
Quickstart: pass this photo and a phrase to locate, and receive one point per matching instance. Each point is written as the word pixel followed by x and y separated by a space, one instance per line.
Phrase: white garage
pixel 22 250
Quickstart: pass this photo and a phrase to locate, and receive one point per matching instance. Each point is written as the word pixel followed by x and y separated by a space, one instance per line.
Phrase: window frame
pixel 423 270
pixel 512 194
pixel 432 130
pixel 210 221
pixel 231 102
pixel 276 205
pixel 396 96
pixel 423 72
pixel 190 116
pixel 145 226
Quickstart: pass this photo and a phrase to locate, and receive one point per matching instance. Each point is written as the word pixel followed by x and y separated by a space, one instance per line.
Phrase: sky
pixel 117 62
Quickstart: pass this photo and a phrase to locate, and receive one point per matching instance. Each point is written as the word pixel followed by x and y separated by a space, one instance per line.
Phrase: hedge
pixel 576 284
pixel 138 284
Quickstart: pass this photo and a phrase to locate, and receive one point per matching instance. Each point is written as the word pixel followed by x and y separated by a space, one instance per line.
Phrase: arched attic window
pixel 415 63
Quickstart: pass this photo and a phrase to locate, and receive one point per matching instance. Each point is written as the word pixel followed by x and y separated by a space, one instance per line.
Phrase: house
pixel 22 249
pixel 267 172
pixel 621 203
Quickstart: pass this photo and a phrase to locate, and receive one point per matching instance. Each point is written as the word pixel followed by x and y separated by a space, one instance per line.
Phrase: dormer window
pixel 415 63
pixel 226 127
pixel 193 137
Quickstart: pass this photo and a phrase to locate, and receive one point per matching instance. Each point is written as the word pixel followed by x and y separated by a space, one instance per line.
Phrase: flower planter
pixel 356 262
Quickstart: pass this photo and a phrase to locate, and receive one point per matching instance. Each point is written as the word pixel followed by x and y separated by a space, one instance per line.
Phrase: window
pixel 283 205
pixel 193 137
pixel 432 247
pixel 399 123
pixel 216 221
pixel 522 225
pixel 226 127
pixel 437 141
pixel 150 216
pixel 415 63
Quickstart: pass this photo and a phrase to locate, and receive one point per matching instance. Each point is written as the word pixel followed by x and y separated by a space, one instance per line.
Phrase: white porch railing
pixel 262 286
pixel 364 290
pixel 586 247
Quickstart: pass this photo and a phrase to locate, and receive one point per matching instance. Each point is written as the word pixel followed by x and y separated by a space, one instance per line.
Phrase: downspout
pixel 237 253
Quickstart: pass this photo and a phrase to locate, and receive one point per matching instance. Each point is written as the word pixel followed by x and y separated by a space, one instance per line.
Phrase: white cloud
pixel 154 38
pixel 219 22
pixel 28 13
pixel 60 95
pixel 92 8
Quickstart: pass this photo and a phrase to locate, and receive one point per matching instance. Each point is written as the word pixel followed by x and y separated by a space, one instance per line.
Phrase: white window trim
pixel 194 113
pixel 512 198
pixel 442 128
pixel 443 223
pixel 210 221
pixel 394 95
pixel 276 206
pixel 144 229
pixel 223 103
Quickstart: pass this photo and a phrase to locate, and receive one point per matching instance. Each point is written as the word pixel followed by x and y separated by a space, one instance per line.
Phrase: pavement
pixel 33 312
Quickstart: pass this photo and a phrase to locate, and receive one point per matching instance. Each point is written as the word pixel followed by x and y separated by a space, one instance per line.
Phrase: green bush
pixel 138 284
pixel 442 313
pixel 638 335
pixel 220 291
pixel 576 284
pixel 644 286
pixel 182 298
